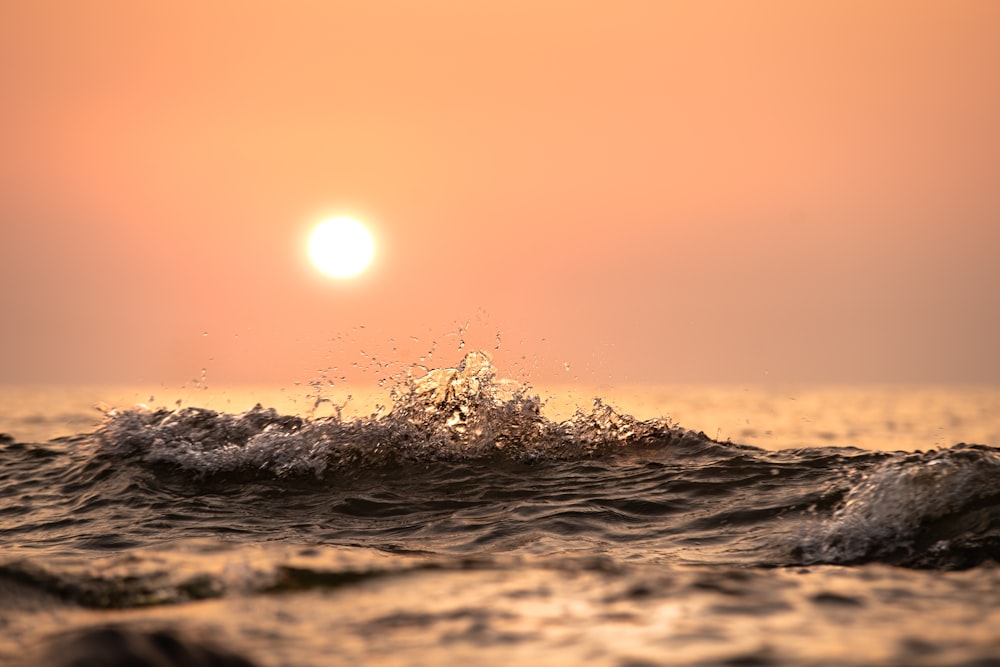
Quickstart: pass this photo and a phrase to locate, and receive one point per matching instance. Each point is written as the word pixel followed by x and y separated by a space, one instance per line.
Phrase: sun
pixel 341 247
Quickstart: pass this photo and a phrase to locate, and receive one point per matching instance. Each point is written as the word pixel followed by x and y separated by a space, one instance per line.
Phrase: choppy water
pixel 466 524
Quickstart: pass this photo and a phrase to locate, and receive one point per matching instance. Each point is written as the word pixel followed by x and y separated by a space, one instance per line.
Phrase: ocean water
pixel 464 518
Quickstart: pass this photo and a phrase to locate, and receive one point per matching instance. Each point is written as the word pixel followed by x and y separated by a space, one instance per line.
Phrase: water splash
pixel 461 413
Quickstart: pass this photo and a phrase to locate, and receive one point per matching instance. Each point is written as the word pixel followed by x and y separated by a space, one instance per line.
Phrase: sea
pixel 465 518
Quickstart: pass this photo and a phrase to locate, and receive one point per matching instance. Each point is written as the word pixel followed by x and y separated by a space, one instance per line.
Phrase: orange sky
pixel 648 191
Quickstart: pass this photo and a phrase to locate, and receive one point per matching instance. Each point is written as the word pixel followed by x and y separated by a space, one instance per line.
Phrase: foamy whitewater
pixel 465 525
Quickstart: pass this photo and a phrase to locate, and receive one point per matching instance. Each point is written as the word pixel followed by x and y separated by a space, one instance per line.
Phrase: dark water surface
pixel 464 526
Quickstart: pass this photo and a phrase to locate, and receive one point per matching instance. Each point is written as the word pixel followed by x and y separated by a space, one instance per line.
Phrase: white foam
pixel 885 511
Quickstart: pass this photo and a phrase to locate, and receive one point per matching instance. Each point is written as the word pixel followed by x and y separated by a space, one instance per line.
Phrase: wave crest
pixel 934 509
pixel 463 413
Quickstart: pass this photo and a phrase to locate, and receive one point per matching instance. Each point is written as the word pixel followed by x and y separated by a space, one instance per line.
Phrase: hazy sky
pixel 646 191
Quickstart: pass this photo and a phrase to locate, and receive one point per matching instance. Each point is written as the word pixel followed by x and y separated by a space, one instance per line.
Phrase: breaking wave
pixel 454 414
pixel 940 508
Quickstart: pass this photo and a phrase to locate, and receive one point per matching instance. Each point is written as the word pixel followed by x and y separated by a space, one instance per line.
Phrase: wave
pixel 203 569
pixel 453 414
pixel 935 509
pixel 465 464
